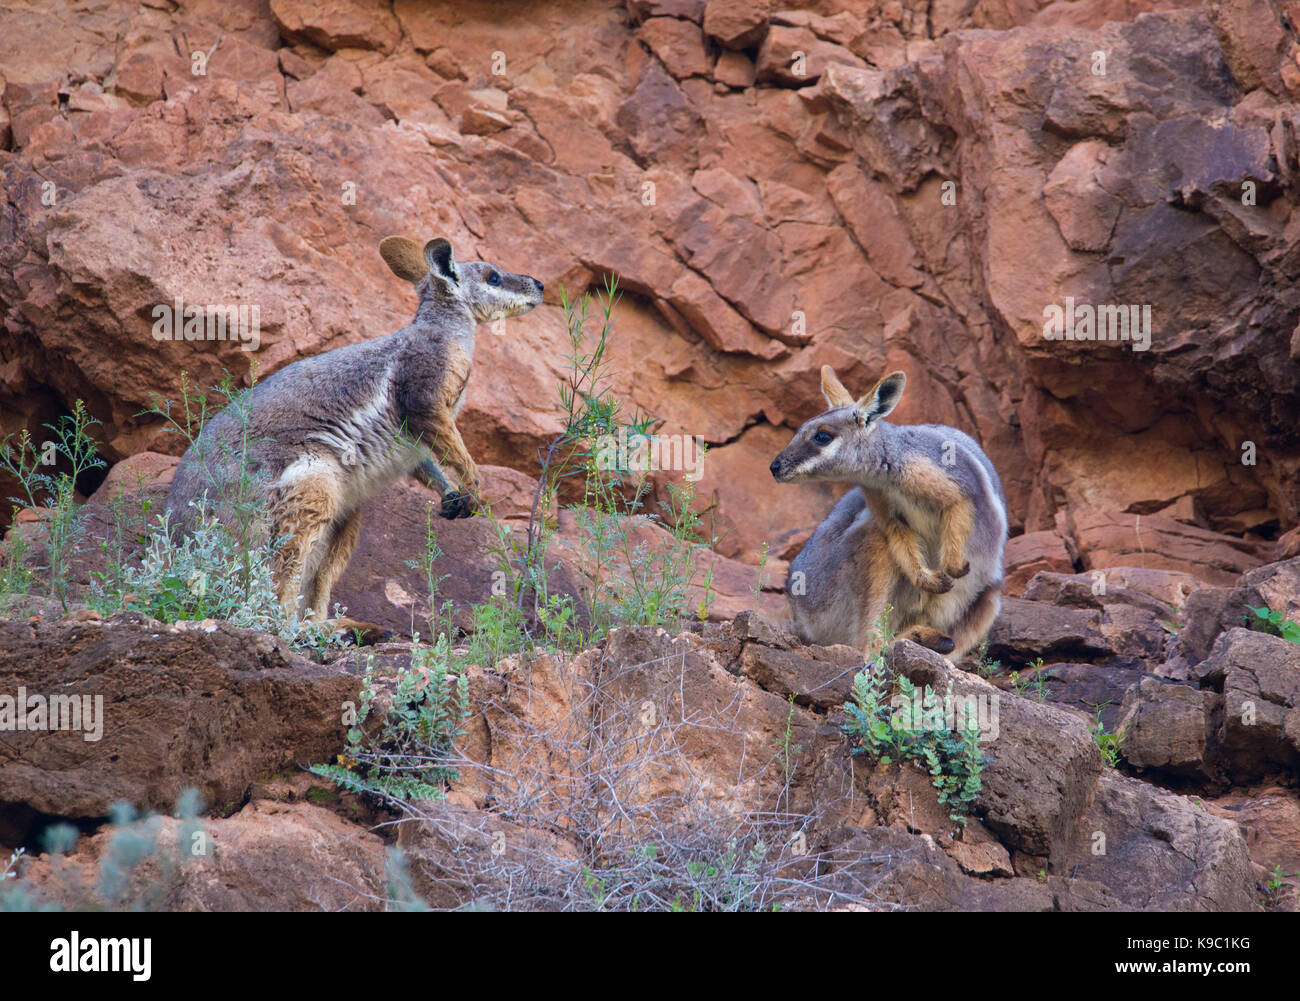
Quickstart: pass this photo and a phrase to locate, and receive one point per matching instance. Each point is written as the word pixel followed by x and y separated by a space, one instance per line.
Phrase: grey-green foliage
pixel 16 577
pixel 10 868
pixel 985 665
pixel 401 892
pixel 121 880
pixel 407 759
pixel 918 732
pixel 631 581
pixel 209 574
pixel 221 570
pixel 624 579
pixel 131 518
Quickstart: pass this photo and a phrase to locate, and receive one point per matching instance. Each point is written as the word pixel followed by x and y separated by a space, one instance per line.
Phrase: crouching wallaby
pixel 923 533
pixel 324 434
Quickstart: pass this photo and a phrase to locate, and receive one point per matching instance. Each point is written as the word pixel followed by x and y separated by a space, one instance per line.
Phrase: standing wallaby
pixel 328 432
pixel 922 534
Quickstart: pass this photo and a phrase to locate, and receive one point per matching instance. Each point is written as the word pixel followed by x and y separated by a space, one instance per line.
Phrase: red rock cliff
pixel 779 185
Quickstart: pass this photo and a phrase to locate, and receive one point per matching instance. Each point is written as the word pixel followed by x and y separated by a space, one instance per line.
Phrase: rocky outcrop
pixel 1259 677
pixel 155 710
pixel 385 582
pixel 1156 851
pixel 674 740
pixel 267 857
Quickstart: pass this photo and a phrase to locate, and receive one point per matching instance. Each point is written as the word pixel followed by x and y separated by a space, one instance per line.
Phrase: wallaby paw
pixel 935 583
pixel 930 638
pixel 959 573
pixel 942 644
pixel 361 633
pixel 458 505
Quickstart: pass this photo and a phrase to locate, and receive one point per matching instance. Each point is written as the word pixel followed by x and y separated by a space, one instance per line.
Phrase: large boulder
pixel 1157 851
pixel 1259 676
pixel 206 705
pixel 1166 727
pixel 1044 764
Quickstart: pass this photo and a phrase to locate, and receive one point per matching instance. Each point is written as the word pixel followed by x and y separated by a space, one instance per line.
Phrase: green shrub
pixel 624 580
pixel 407 759
pixel 122 881
pixel 1269 621
pixel 1109 744
pixel 952 759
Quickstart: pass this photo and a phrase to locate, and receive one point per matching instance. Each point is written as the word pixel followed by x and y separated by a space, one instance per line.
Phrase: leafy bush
pixel 1109 744
pixel 916 733
pixel 1269 621
pixel 209 574
pixel 407 759
pixel 136 871
pixel 625 580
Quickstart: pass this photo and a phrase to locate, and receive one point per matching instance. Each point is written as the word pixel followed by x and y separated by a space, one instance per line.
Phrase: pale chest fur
pixel 460 363
pixel 921 517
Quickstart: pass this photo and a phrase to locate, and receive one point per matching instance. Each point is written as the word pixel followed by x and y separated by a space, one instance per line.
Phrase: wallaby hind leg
pixel 978 620
pixel 929 637
pixel 879 570
pixel 302 514
pixel 338 550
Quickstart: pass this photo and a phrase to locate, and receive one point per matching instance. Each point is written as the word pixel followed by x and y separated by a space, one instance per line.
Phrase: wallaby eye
pixel 493 278
pixel 823 437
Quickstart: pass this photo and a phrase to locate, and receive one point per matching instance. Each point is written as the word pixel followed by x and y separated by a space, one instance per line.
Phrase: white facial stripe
pixel 498 303
pixel 827 453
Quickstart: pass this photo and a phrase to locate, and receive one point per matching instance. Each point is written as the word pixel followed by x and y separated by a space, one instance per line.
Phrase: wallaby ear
pixel 882 399
pixel 834 391
pixel 441 261
pixel 403 257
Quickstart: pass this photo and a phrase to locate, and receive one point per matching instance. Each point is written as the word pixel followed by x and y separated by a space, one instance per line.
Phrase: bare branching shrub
pixel 590 784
